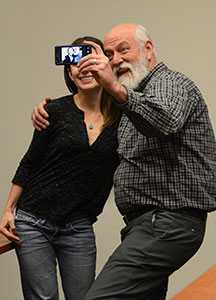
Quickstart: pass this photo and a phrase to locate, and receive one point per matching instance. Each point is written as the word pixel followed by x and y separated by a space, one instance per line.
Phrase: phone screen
pixel 71 54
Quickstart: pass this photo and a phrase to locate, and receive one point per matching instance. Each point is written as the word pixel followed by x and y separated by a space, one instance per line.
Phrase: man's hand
pixel 7 227
pixel 39 116
pixel 98 64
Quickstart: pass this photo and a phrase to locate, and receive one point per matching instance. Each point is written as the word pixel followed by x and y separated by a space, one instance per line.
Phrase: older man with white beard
pixel 166 181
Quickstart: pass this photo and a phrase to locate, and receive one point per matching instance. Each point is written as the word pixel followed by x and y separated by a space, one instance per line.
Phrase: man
pixel 166 181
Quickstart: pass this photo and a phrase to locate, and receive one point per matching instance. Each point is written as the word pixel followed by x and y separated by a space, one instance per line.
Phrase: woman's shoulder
pixel 58 102
pixel 57 107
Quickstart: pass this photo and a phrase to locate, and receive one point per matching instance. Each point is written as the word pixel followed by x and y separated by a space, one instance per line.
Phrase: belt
pixel 189 211
pixel 129 217
pixel 193 212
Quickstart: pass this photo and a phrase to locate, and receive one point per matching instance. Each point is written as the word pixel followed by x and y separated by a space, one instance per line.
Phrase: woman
pixel 61 186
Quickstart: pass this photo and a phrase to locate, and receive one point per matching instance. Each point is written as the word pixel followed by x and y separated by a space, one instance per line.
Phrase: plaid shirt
pixel 167 147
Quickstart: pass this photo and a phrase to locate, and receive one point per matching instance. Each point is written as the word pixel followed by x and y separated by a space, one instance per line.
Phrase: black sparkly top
pixel 61 173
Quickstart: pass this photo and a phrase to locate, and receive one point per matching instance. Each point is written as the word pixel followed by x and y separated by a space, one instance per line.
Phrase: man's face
pixel 138 70
pixel 128 62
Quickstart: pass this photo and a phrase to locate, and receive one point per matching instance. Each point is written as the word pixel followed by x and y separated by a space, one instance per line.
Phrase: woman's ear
pixel 70 73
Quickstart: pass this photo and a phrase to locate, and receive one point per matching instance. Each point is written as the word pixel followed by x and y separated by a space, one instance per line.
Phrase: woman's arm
pixel 37 149
pixel 7 224
pixel 25 171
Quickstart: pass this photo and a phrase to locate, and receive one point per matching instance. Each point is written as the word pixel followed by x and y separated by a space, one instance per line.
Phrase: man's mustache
pixel 119 70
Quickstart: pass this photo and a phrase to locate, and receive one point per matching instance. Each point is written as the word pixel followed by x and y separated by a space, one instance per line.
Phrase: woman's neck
pixel 89 100
pixel 90 103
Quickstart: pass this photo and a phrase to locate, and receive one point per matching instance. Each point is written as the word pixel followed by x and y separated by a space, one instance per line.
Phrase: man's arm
pixel 39 115
pixel 157 112
pixel 160 111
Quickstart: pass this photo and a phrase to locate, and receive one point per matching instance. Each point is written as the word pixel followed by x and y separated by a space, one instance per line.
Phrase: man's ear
pixel 148 49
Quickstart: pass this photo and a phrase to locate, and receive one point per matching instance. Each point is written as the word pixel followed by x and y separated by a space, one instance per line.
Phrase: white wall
pixel 185 39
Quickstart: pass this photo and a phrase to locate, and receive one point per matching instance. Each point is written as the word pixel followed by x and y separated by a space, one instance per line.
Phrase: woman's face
pixel 70 51
pixel 83 80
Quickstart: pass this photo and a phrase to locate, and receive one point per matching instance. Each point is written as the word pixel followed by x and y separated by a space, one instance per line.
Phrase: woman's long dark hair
pixel 109 110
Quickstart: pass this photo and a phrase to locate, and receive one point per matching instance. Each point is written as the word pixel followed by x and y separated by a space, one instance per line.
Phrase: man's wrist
pixel 118 92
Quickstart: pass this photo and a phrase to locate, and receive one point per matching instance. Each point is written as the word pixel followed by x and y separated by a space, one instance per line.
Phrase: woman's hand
pixel 7 223
pixel 7 227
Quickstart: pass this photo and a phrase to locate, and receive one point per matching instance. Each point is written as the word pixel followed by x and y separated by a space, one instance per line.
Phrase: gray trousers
pixel 153 246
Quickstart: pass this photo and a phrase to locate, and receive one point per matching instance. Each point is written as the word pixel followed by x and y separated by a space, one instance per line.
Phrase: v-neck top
pixel 61 173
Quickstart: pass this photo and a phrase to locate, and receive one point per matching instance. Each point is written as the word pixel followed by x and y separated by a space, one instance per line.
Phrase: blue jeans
pixel 43 244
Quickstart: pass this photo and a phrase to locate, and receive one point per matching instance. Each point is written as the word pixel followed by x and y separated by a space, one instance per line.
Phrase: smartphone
pixel 67 55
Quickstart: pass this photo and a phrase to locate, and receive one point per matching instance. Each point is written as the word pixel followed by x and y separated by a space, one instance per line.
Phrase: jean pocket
pixel 84 225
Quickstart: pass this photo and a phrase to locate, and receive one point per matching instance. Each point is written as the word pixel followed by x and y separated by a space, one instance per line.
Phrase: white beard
pixel 138 70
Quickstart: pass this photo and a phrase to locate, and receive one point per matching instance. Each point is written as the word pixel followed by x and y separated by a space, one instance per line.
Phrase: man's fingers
pixel 47 99
pixel 38 117
pixel 96 46
pixel 39 125
pixel 92 59
pixel 41 110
